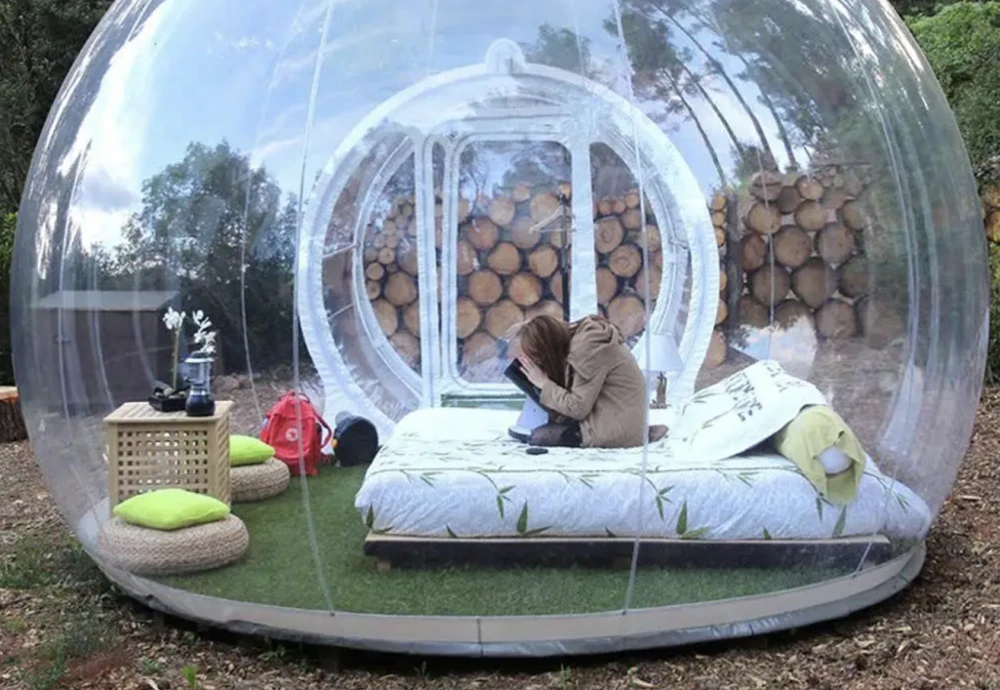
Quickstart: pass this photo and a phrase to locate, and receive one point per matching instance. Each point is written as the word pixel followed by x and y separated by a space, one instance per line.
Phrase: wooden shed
pixel 113 344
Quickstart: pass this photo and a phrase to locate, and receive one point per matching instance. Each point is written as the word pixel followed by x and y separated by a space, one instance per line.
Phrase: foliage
pixel 909 8
pixel 560 48
pixel 962 43
pixel 993 356
pixel 205 221
pixel 39 40
pixel 8 223
pixel 190 674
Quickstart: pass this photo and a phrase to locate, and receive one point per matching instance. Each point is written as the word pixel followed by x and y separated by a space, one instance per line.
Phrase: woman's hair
pixel 545 339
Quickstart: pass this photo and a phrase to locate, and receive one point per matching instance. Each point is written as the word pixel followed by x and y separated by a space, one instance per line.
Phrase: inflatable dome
pixel 670 316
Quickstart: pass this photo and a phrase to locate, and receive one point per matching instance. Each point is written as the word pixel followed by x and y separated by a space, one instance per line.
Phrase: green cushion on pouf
pixel 247 450
pixel 171 509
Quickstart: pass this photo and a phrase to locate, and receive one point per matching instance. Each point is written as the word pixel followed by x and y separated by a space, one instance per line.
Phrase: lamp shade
pixel 664 356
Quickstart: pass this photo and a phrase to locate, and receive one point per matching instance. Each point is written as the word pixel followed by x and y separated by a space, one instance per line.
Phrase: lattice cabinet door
pixel 149 450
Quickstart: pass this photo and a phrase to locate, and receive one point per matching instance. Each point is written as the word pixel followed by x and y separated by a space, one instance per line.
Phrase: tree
pixel 962 43
pixel 561 48
pixel 39 40
pixel 674 8
pixel 207 222
pixel 801 62
pixel 660 74
pixel 7 223
pixel 907 8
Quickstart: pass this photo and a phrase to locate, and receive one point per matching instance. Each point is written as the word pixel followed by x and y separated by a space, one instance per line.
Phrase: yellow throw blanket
pixel 815 429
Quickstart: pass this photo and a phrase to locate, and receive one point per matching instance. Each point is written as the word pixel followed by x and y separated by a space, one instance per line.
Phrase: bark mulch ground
pixel 63 626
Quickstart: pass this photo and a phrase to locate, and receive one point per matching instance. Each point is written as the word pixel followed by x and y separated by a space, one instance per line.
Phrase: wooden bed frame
pixel 402 551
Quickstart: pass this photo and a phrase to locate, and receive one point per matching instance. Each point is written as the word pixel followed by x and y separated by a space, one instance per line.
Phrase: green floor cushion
pixel 171 509
pixel 816 429
pixel 247 450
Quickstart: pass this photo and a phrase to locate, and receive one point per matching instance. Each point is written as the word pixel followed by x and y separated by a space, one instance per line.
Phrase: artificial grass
pixel 280 569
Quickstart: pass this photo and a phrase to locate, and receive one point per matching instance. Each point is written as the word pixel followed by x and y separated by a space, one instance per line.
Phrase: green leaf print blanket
pixel 452 472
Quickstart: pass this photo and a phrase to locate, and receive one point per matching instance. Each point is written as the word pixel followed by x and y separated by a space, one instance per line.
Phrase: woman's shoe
pixel 551 435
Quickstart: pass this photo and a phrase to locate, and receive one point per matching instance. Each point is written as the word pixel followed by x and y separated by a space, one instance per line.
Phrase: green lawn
pixel 279 569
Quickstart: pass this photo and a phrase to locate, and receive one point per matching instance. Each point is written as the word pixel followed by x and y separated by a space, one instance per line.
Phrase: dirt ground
pixel 63 626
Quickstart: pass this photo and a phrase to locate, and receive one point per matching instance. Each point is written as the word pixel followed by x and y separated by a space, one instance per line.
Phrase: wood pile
pixel 512 263
pixel 391 275
pixel 621 279
pixel 801 255
pixel 791 249
pixel 721 208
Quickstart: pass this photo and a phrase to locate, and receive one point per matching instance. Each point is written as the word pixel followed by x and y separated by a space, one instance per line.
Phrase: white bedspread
pixel 457 473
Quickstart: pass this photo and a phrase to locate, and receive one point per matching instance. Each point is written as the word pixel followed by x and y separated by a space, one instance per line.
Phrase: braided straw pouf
pixel 145 551
pixel 257 482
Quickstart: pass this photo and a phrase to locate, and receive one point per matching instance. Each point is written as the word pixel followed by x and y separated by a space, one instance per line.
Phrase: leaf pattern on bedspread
pixel 838 529
pixel 682 520
pixel 744 475
pixel 522 524
pixel 662 500
pixel 485 483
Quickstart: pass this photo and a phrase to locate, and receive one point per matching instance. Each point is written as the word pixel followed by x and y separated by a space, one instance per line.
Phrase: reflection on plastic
pixel 367 210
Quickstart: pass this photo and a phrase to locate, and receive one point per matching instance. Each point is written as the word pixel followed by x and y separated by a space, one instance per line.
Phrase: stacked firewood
pixel 791 249
pixel 512 263
pixel 621 278
pixel 391 281
pixel 512 260
pixel 718 347
pixel 802 257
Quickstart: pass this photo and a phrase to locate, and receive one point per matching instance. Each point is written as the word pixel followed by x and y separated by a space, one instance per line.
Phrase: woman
pixel 589 378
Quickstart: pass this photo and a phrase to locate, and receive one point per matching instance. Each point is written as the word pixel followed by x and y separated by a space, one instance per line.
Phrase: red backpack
pixel 281 432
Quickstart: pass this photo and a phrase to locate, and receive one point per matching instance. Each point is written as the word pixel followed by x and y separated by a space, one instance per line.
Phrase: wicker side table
pixel 149 450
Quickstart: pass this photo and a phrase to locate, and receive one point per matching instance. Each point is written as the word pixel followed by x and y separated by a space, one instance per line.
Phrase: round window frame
pixel 433 111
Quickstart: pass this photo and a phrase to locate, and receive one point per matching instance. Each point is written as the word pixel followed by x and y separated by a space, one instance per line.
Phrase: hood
pixel 594 339
pixel 597 330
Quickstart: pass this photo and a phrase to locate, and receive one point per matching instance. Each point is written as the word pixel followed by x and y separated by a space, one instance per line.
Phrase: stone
pixel 226 384
pixel 993 226
pixel 991 196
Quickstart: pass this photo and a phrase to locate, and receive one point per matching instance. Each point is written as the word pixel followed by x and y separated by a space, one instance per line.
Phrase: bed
pixel 455 474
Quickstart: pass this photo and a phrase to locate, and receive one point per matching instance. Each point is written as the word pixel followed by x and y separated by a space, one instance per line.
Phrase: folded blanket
pixel 814 430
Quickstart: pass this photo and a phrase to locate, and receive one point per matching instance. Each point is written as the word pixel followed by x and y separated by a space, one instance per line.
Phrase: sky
pixel 244 71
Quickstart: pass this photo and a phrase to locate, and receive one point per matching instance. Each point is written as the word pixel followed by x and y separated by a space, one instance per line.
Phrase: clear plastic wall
pixel 365 196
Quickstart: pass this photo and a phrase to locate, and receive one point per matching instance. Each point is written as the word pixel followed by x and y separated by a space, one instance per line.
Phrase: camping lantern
pixel 200 402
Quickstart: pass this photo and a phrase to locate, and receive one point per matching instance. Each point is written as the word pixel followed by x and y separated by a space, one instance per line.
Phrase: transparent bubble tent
pixel 368 196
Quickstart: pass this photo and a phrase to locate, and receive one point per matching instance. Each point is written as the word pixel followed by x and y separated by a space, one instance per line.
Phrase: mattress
pixel 455 473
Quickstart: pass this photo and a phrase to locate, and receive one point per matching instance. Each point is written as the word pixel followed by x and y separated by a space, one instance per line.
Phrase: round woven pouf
pixel 257 482
pixel 145 551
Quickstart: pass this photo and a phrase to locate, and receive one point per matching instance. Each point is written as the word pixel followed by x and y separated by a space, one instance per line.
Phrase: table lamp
pixel 664 359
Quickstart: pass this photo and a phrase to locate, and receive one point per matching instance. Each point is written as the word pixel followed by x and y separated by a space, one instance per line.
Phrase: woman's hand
pixel 533 371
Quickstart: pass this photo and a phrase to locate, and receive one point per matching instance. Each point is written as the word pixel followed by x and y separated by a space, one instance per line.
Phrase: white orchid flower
pixel 173 319
pixel 206 339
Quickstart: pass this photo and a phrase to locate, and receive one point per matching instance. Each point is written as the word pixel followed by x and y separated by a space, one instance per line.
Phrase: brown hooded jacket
pixel 605 387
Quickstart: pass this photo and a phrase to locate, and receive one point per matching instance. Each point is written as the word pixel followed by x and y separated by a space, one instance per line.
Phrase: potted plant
pixel 172 396
pixel 200 402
